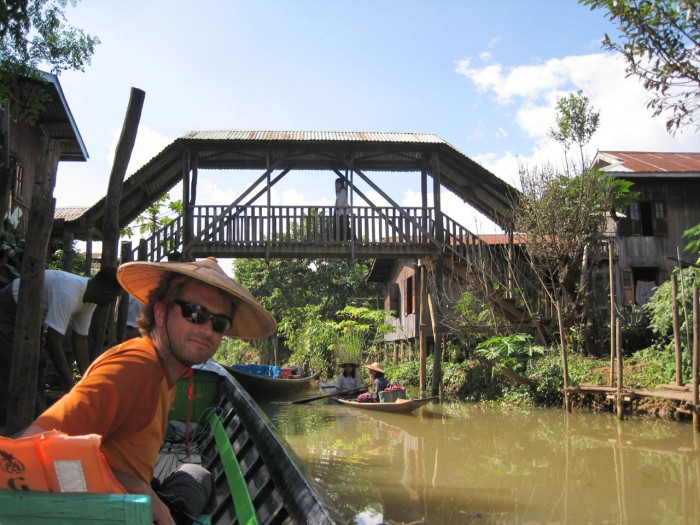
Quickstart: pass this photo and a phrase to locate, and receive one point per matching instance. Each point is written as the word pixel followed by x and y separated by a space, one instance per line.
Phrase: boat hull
pixel 400 406
pixel 262 387
pixel 279 489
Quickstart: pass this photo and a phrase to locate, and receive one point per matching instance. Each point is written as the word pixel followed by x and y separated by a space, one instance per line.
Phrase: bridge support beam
pixel 439 284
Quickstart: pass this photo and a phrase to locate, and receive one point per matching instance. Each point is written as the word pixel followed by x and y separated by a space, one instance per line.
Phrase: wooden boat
pixel 400 406
pixel 257 475
pixel 267 387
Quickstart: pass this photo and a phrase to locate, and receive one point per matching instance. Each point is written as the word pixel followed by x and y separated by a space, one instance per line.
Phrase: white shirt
pixel 348 383
pixel 63 301
pixel 341 201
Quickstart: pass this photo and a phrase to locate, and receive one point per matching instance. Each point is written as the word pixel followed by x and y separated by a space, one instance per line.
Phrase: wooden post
pixel 436 387
pixel 5 174
pixel 422 326
pixel 676 329
pixel 696 358
pixel 67 262
pixel 110 224
pixel 620 400
pixel 564 356
pixel 88 257
pixel 27 339
pixel 613 317
pixel 123 310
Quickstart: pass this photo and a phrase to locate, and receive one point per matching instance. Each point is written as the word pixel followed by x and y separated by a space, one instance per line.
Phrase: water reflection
pixel 462 464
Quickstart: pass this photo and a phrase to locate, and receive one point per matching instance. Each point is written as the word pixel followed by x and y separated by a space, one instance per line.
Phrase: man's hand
pixel 54 345
pixel 133 485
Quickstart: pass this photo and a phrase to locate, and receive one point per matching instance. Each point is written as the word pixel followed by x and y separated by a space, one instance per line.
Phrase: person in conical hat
pixel 379 382
pixel 127 393
pixel 348 379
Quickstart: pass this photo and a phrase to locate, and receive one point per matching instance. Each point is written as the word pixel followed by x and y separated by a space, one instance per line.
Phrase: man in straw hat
pixel 127 393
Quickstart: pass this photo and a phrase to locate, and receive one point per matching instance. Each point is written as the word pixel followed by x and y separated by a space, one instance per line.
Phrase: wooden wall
pixel 24 149
pixel 681 201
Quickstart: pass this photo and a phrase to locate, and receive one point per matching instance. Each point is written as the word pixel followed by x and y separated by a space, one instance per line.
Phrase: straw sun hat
pixel 251 321
pixel 375 366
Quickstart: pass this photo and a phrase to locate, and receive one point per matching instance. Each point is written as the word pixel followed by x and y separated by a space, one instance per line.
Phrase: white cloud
pixel 485 56
pixel 501 133
pixel 149 143
pixel 626 123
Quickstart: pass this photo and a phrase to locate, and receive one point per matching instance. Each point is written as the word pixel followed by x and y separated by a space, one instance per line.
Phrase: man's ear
pixel 160 311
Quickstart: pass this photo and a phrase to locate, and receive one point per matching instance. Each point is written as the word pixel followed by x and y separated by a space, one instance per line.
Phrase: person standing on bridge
pixel 342 212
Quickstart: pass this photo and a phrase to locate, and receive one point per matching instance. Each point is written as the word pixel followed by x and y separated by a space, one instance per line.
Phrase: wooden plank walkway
pixel 669 392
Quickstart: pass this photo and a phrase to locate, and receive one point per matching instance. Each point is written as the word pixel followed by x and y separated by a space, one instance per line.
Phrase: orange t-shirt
pixel 125 397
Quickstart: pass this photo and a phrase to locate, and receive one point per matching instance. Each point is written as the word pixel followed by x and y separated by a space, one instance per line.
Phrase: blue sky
pixel 482 75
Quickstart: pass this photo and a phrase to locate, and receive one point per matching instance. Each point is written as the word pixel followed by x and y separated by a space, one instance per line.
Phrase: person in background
pixel 127 393
pixel 342 212
pixel 69 301
pixel 348 379
pixel 379 381
pixel 132 329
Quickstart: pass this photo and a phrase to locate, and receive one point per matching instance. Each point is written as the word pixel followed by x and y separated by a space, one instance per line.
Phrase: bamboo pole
pixel 696 358
pixel 676 329
pixel 620 400
pixel 564 356
pixel 611 278
pixel 683 302
pixel 422 326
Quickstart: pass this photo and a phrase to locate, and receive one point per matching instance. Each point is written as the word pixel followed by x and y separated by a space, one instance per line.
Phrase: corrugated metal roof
pixel 69 213
pixel 350 136
pixel 58 123
pixel 647 162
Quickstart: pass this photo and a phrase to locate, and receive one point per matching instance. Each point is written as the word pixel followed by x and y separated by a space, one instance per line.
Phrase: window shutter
pixel 660 223
pixel 413 295
pixel 405 297
pixel 627 286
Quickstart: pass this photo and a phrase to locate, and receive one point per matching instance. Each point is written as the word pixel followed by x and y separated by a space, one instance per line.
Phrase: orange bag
pixel 55 462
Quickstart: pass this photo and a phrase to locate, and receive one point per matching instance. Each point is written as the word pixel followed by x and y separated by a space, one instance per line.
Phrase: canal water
pixel 461 463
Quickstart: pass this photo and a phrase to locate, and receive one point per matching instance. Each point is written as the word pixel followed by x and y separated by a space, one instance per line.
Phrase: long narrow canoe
pixel 279 490
pixel 400 406
pixel 257 476
pixel 263 387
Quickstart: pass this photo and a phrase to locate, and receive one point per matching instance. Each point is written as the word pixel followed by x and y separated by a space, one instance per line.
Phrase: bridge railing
pixel 312 224
pixel 274 225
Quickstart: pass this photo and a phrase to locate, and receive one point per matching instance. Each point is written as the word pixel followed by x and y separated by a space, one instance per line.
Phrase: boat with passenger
pixel 392 403
pixel 215 423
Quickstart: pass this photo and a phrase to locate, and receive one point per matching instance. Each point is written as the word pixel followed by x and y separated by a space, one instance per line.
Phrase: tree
pixel 660 41
pixel 306 297
pixel 156 216
pixel 576 122
pixel 34 34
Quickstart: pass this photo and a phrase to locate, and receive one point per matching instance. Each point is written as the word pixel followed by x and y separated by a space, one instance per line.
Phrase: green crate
pixel 39 508
pixel 392 395
pixel 204 389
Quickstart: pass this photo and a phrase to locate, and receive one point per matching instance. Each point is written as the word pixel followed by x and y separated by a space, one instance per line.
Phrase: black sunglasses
pixel 197 314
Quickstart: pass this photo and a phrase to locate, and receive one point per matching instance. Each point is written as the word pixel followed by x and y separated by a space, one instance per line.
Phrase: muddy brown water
pixel 460 463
